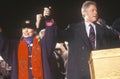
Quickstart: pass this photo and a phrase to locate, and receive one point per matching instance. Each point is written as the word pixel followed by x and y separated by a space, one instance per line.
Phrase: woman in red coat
pixel 25 56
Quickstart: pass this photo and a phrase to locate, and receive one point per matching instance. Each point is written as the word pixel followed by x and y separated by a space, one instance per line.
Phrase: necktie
pixel 92 36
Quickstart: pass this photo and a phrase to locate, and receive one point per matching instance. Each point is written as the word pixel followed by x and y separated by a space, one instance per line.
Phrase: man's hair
pixel 86 5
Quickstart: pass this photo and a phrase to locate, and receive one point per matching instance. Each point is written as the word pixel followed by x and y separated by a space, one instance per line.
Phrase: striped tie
pixel 92 36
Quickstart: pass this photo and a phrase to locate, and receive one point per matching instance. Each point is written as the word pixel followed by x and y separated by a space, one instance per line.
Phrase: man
pixel 84 37
pixel 24 56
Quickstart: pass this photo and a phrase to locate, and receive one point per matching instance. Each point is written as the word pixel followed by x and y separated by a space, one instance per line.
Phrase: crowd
pixel 46 52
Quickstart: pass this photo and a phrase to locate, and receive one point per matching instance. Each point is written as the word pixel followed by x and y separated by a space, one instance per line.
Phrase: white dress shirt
pixel 87 27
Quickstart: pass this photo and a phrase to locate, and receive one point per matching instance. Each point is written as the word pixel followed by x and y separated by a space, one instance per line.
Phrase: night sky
pixel 12 12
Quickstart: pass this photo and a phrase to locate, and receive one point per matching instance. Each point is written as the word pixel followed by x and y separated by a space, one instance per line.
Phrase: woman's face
pixel 46 12
pixel 27 32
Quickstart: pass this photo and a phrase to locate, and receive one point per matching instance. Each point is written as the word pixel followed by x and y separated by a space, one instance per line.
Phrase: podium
pixel 105 64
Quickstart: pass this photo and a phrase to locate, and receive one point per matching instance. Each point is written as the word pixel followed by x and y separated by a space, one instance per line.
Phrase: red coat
pixel 36 60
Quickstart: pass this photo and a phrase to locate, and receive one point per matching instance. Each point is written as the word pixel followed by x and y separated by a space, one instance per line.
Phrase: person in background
pixel 24 55
pixel 57 62
pixel 64 54
pixel 116 25
pixel 45 21
pixel 64 48
pixel 116 29
pixel 112 34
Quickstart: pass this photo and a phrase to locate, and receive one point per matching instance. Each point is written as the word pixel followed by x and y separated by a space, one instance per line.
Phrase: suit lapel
pixel 83 34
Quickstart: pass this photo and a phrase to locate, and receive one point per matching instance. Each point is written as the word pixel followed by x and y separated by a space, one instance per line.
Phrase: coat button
pixel 83 47
pixel 82 70
pixel 82 58
pixel 30 56
pixel 30 68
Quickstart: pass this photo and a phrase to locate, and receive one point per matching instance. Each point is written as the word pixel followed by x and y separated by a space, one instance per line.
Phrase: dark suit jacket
pixel 80 49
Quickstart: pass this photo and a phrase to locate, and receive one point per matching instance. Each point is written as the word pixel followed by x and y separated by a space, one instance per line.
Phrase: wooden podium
pixel 105 64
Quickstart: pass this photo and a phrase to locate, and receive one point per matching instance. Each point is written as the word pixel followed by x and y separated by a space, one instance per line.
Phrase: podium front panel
pixel 105 64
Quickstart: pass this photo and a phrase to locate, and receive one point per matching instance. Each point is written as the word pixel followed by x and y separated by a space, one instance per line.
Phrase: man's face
pixel 27 32
pixel 91 14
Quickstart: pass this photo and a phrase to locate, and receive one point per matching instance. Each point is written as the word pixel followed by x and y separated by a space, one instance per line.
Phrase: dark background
pixel 12 12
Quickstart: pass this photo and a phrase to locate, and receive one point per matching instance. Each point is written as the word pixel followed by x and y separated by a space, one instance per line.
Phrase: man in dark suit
pixel 81 42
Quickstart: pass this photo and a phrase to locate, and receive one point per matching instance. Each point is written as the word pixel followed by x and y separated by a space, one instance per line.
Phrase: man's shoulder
pixel 76 24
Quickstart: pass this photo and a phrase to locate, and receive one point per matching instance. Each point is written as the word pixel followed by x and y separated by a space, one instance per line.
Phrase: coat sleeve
pixel 1 41
pixel 8 48
pixel 65 34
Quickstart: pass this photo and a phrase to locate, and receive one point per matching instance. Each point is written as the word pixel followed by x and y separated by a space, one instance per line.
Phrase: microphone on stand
pixel 102 22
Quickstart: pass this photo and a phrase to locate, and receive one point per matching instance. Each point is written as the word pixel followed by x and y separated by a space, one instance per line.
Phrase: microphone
pixel 102 22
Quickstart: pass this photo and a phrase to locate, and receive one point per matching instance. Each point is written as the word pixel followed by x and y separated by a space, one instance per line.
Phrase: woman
pixel 24 56
pixel 48 42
